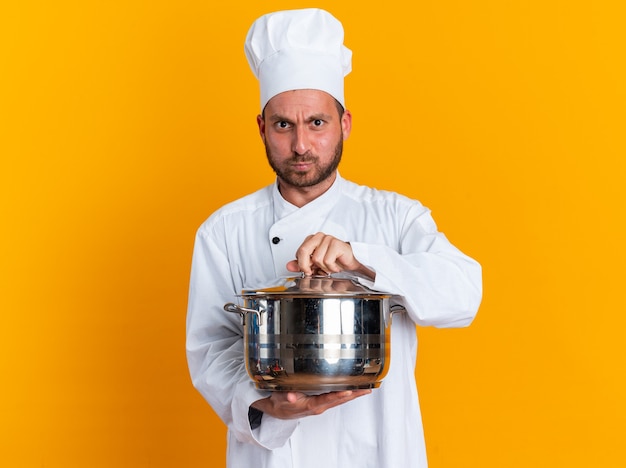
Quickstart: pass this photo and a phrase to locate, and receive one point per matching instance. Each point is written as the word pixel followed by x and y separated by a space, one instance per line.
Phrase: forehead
pixel 301 101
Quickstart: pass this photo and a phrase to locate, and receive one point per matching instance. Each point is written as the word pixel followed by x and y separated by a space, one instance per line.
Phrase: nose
pixel 301 143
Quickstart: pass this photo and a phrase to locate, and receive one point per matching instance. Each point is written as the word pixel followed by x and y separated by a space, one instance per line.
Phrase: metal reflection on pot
pixel 315 334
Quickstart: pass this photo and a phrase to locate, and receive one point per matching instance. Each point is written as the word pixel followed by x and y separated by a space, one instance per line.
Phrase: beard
pixel 317 174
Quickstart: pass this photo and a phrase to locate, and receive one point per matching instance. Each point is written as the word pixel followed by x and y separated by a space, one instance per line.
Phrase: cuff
pixel 271 433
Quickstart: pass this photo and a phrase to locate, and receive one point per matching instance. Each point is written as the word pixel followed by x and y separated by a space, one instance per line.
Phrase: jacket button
pixel 275 240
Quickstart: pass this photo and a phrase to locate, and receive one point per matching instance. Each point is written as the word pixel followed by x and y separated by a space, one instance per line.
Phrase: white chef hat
pixel 298 49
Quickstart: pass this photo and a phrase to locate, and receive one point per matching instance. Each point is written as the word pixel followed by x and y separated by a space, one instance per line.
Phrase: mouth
pixel 302 165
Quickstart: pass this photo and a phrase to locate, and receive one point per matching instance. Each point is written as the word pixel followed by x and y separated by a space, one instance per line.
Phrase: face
pixel 303 134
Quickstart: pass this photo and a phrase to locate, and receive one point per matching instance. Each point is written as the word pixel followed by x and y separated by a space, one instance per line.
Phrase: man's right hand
pixel 293 405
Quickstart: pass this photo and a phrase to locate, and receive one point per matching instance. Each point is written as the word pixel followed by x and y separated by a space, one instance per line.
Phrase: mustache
pixel 303 158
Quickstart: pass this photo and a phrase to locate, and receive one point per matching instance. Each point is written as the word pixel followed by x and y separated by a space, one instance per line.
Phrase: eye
pixel 282 125
pixel 318 122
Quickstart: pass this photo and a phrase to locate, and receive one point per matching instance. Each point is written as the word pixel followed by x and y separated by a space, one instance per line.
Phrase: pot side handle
pixel 237 309
pixel 395 309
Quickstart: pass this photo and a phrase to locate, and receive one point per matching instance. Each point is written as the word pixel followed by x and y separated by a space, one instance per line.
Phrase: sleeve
pixel 439 285
pixel 215 354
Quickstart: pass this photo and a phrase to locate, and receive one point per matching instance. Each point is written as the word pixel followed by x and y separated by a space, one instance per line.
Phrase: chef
pixel 311 220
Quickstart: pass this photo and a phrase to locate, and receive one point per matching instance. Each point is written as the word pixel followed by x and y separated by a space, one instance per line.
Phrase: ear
pixel 260 121
pixel 346 124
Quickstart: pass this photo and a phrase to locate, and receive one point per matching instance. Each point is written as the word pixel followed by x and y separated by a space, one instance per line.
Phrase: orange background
pixel 124 124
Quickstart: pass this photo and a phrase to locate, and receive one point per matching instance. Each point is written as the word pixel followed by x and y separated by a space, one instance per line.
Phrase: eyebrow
pixel 310 118
pixel 320 116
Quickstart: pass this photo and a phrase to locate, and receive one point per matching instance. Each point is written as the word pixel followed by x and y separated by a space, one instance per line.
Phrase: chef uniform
pixel 247 244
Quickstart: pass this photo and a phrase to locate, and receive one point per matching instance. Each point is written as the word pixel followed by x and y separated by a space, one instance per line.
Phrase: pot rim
pixel 316 286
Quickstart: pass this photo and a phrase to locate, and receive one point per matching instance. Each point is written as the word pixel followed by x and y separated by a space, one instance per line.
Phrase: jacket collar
pixel 283 208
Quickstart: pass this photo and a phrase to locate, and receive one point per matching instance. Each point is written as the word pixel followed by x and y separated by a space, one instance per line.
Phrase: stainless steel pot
pixel 315 334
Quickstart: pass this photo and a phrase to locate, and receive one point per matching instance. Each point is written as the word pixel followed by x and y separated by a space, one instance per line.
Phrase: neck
pixel 300 196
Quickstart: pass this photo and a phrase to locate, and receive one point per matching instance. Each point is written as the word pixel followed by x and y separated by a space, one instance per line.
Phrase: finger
pixel 330 400
pixel 319 256
pixel 302 263
pixel 332 255
pixel 293 397
pixel 316 271
pixel 305 265
pixel 305 252
pixel 293 266
pixel 335 398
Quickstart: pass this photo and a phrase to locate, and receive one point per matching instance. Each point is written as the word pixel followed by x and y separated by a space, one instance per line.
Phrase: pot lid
pixel 315 286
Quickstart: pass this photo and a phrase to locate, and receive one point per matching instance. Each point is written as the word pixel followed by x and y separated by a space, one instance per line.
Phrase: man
pixel 314 221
